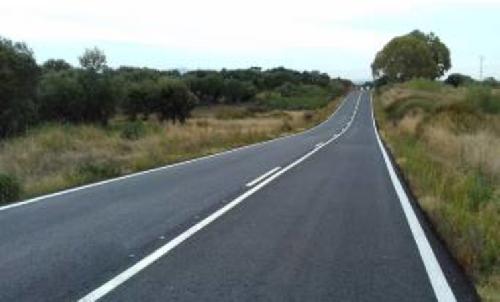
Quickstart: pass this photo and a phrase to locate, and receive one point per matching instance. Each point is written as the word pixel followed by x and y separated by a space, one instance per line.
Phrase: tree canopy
pixel 18 81
pixel 415 55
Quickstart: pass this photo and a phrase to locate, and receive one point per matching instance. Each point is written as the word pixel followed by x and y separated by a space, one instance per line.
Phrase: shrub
pixel 61 97
pixel 424 84
pixel 482 99
pixel 92 171
pixel 238 91
pixel 399 109
pixel 133 130
pixel 10 188
pixel 457 79
pixel 139 99
pixel 174 101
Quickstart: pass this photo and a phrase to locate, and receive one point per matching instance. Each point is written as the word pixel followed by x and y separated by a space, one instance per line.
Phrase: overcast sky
pixel 338 37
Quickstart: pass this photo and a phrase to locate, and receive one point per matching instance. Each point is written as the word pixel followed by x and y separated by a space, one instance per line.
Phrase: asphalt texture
pixel 329 229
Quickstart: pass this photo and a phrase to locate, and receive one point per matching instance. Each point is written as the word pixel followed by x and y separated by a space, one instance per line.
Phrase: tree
pixel 140 99
pixel 93 60
pixel 236 91
pixel 174 101
pixel 61 96
pixel 457 79
pixel 440 52
pixel 55 65
pixel 207 85
pixel 18 79
pixel 100 97
pixel 412 56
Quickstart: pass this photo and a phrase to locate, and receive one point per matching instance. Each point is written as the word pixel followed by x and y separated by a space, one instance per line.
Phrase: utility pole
pixel 481 61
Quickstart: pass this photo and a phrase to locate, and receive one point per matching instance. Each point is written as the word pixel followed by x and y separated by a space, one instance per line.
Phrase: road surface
pixel 318 216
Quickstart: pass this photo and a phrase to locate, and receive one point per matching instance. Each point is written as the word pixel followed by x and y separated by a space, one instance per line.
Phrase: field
pixel 54 156
pixel 447 142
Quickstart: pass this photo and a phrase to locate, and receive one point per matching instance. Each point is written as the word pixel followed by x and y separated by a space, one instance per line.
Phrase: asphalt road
pixel 327 223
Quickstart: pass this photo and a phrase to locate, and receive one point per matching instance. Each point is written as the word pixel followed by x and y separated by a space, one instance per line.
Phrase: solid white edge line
pixel 111 180
pixel 258 179
pixel 163 250
pixel 436 276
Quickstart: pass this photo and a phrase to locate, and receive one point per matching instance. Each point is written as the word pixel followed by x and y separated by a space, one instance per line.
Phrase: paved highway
pixel 318 216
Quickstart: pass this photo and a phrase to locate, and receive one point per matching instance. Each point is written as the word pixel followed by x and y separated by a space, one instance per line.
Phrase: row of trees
pixel 92 93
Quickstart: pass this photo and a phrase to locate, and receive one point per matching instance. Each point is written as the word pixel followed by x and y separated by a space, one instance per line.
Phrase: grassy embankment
pixel 447 142
pixel 54 157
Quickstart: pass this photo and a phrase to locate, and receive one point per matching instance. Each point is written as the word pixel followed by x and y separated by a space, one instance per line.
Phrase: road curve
pixel 310 217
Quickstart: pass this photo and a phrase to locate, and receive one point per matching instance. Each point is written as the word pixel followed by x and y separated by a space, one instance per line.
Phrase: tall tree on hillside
pixel 100 101
pixel 411 56
pixel 440 52
pixel 93 59
pixel 18 79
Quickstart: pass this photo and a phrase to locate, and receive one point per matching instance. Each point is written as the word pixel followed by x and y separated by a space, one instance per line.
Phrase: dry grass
pixel 451 155
pixel 55 157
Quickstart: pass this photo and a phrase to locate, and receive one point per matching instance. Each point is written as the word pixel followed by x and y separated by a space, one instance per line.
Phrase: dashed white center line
pixel 125 275
pixel 263 176
pixel 319 144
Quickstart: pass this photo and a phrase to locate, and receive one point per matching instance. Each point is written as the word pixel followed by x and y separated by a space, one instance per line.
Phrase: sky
pixel 337 37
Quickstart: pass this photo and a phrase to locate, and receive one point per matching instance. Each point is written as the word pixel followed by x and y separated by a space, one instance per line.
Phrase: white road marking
pixel 319 145
pixel 258 179
pixel 163 250
pixel 436 276
pixel 111 180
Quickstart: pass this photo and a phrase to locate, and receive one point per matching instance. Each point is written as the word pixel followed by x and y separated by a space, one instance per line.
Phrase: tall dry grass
pixel 54 157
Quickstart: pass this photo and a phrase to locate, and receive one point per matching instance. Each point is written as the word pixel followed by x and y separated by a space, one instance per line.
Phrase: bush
pixel 398 110
pixel 76 96
pixel 424 84
pixel 457 79
pixel 10 188
pixel 236 91
pixel 174 101
pixel 139 99
pixel 482 99
pixel 92 171
pixel 61 97
pixel 133 130
pixel 100 98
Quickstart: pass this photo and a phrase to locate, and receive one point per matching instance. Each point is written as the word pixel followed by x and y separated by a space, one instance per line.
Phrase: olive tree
pixel 18 80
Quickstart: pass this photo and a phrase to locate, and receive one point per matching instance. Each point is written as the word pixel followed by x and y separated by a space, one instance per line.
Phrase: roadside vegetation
pixel 446 138
pixel 62 126
pixel 447 142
